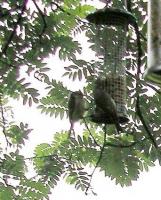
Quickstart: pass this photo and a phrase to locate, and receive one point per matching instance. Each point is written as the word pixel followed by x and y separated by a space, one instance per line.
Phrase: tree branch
pixel 6 45
pixel 137 107
pixel 98 161
pixel 43 18
pixel 141 81
pixel 154 88
pixel 143 37
pixel 68 13
pixel 139 113
pixel 91 133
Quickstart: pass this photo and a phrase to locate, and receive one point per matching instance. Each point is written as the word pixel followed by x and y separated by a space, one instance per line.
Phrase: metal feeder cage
pixel 108 38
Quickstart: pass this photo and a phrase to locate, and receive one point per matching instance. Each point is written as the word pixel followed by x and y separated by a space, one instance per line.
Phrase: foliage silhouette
pixel 32 31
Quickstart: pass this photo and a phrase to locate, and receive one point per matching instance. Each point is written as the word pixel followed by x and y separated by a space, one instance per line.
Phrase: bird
pixel 76 108
pixel 106 104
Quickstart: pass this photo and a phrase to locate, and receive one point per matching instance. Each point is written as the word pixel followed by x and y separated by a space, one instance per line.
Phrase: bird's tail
pixel 71 130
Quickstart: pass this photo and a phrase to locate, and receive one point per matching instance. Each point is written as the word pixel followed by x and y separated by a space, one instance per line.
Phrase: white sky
pixel 147 187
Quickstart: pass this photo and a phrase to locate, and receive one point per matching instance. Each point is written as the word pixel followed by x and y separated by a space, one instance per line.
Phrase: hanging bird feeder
pixel 109 27
pixel 153 73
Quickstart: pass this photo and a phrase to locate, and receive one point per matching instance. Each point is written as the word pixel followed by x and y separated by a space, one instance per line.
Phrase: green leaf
pixel 79 75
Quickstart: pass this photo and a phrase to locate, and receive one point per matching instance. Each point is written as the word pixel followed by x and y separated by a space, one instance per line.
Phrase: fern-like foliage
pixel 56 102
pixel 30 33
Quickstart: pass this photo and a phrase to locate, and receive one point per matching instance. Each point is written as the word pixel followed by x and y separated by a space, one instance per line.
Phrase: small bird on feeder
pixel 76 108
pixel 106 104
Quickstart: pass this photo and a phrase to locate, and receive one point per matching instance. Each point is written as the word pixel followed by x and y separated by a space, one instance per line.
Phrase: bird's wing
pixel 71 105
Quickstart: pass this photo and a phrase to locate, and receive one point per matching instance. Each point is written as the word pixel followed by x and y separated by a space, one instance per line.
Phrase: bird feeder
pixel 109 27
pixel 153 73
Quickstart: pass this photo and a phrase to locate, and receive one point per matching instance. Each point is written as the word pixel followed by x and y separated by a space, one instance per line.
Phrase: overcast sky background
pixel 148 185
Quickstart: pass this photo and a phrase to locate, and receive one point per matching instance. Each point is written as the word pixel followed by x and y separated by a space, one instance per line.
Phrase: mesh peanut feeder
pixel 109 28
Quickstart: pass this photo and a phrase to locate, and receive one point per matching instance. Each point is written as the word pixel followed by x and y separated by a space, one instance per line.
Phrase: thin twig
pixel 5 47
pixel 98 161
pixel 68 13
pixel 139 113
pixel 86 125
pixel 60 8
pixel 142 81
pixel 154 88
pixel 43 18
pixel 143 37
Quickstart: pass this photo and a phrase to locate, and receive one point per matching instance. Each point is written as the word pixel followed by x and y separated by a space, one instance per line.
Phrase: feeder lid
pixel 111 16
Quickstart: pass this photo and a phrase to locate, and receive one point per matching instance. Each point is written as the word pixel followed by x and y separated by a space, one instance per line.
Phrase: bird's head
pixel 99 84
pixel 78 94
